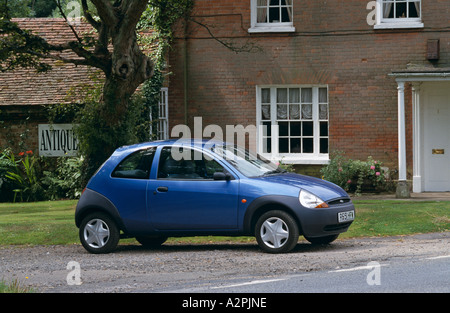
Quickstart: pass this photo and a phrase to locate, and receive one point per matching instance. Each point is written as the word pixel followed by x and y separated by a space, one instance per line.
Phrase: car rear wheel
pixel 99 233
pixel 276 232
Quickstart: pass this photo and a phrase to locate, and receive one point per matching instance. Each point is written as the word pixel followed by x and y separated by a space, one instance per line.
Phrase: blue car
pixel 152 191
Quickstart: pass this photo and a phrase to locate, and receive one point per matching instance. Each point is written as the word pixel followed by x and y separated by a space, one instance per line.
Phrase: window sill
pixel 313 160
pixel 271 29
pixel 399 25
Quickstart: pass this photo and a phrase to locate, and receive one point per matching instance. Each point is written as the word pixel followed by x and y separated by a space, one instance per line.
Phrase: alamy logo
pixel 74 13
pixel 74 276
pixel 372 16
pixel 374 276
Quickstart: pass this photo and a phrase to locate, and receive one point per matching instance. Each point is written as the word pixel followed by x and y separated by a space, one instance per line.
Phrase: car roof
pixel 199 143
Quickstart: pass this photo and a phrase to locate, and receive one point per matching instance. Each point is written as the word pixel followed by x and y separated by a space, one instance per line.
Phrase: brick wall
pixel 332 45
pixel 19 127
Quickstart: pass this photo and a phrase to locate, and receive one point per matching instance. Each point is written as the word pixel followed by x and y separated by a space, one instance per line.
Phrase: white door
pixel 437 137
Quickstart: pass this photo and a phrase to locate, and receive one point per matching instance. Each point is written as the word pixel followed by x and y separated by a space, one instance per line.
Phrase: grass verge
pixel 52 222
pixel 14 287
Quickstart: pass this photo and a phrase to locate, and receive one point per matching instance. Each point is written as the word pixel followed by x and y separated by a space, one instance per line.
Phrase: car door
pixel 185 196
pixel 127 188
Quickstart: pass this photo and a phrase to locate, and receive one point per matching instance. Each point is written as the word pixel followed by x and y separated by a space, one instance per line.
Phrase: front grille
pixel 339 201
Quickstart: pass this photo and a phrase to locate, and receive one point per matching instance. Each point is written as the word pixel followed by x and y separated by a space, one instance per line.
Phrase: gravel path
pixel 135 269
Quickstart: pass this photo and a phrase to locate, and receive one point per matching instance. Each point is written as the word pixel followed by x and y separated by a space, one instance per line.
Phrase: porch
pixel 431 130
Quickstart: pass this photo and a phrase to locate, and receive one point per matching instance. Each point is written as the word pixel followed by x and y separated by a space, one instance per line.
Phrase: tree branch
pixel 248 47
pixel 133 10
pixel 106 12
pixel 89 17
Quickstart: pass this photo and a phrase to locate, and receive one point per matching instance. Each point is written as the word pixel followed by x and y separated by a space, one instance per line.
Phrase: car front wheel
pixel 276 232
pixel 99 233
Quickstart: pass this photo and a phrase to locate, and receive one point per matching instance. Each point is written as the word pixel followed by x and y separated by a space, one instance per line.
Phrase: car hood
pixel 321 188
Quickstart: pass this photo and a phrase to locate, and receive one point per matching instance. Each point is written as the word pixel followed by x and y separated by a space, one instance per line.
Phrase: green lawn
pixel 399 217
pixel 52 222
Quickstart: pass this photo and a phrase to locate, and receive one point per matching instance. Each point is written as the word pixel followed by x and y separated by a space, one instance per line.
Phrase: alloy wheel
pixel 96 233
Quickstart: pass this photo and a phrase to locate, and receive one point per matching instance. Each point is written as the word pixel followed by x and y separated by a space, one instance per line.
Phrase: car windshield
pixel 245 162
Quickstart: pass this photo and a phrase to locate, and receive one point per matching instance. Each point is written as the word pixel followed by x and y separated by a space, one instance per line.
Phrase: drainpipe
pixel 185 57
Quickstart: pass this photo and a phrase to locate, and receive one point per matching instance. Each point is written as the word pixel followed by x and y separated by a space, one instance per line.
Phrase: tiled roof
pixel 26 87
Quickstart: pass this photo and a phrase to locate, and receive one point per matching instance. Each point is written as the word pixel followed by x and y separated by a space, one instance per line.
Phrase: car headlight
pixel 308 200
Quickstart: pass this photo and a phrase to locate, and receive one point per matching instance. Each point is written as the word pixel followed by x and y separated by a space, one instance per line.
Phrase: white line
pixel 438 257
pixel 255 282
pixel 359 268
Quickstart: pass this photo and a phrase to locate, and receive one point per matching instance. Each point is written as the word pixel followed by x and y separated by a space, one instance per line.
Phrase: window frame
pixel 291 158
pixel 269 27
pixel 391 23
pixel 162 123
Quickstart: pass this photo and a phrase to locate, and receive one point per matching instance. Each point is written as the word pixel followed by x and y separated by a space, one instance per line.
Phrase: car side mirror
pixel 221 176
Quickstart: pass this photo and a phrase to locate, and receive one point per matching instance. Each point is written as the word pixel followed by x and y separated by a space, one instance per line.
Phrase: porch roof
pixel 421 73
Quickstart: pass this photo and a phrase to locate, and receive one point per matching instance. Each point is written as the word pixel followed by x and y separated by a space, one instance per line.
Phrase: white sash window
pixel 293 123
pixel 272 16
pixel 399 14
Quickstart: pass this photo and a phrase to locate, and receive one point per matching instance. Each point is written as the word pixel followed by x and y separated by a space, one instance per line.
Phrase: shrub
pixel 357 176
pixel 22 174
pixel 6 185
pixel 26 177
pixel 65 181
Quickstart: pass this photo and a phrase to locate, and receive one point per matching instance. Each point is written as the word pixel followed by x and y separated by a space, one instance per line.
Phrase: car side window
pixel 136 166
pixel 191 167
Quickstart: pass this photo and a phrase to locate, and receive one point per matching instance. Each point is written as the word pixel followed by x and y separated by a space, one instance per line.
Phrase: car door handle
pixel 162 189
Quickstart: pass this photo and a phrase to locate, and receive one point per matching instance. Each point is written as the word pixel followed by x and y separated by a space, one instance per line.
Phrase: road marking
pixel 438 257
pixel 254 282
pixel 358 268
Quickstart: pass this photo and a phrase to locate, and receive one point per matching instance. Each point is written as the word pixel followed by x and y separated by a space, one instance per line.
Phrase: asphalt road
pixel 402 275
pixel 419 263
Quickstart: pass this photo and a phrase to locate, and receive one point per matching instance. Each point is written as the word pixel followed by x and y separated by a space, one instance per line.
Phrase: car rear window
pixel 136 166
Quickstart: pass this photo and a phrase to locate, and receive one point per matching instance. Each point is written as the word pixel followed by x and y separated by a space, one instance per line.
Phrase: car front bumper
pixel 319 222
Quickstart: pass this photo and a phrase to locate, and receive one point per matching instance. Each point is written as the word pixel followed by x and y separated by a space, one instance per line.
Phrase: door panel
pixel 437 139
pixel 193 205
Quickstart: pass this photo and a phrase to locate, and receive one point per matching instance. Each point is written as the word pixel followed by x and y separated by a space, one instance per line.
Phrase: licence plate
pixel 346 216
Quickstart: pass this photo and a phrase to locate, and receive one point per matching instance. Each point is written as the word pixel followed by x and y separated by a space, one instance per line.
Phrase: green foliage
pixel 6 185
pixel 31 8
pixel 356 175
pixel 30 178
pixel 16 45
pixel 160 17
pixel 65 181
pixel 14 287
pixel 23 176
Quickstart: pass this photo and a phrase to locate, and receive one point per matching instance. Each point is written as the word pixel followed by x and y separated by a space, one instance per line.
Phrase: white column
pixel 417 158
pixel 402 186
pixel 401 133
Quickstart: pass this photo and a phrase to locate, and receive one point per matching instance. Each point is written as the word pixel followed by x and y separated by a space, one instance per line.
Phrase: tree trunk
pixel 128 69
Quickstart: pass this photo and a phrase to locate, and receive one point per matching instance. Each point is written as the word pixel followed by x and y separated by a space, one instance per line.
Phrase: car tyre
pixel 276 232
pixel 322 240
pixel 151 242
pixel 99 233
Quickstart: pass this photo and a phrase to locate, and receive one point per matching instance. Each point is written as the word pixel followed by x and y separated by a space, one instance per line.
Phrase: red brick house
pixel 368 78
